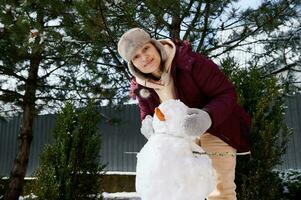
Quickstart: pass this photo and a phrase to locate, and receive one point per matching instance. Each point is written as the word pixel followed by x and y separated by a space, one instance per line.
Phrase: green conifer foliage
pixel 263 98
pixel 70 166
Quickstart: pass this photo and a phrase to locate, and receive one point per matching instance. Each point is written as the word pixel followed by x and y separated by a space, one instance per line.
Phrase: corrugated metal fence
pixel 292 158
pixel 121 141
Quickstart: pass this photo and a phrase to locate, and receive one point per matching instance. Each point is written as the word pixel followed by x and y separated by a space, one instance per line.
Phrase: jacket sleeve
pixel 142 102
pixel 144 109
pixel 214 84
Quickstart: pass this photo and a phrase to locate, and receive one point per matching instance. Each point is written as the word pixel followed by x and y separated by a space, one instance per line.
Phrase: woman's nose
pixel 144 58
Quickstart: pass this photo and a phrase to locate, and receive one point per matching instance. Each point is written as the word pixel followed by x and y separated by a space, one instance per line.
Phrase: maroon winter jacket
pixel 199 83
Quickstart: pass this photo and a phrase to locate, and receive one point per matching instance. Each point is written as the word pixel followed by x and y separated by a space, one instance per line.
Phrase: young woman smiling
pixel 166 69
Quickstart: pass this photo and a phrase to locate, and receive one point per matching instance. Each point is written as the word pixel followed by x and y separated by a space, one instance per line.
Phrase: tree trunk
pixel 18 172
pixel 175 26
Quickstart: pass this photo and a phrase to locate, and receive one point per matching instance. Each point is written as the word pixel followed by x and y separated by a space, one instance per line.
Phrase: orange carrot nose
pixel 159 114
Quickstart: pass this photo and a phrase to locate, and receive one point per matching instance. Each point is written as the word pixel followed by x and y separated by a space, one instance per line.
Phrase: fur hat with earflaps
pixel 131 41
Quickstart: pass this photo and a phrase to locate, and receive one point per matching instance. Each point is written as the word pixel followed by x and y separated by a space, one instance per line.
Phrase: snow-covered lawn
pixel 110 196
pixel 121 195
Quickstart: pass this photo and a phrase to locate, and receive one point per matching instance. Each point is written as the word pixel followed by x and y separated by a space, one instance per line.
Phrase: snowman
pixel 171 166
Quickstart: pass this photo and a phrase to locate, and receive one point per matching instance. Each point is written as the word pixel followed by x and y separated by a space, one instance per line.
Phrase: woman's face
pixel 147 59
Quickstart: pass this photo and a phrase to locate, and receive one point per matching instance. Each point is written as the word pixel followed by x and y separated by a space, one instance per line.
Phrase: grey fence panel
pixel 292 158
pixel 9 142
pixel 120 141
pixel 9 131
pixel 42 134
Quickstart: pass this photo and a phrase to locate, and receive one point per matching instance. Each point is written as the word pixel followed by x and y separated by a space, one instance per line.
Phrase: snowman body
pixel 171 165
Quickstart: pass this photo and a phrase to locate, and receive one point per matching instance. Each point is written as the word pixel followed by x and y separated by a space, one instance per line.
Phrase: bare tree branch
pixel 205 27
pixel 194 20
pixel 8 71
pixel 287 67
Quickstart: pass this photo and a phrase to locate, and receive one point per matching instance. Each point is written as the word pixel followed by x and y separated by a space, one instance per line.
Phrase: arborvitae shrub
pixel 263 97
pixel 70 166
pixel 291 184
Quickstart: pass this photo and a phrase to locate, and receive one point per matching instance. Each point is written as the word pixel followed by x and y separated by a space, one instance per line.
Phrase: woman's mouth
pixel 148 63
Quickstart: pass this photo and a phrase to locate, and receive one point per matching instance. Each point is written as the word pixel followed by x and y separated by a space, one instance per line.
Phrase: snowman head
pixel 169 117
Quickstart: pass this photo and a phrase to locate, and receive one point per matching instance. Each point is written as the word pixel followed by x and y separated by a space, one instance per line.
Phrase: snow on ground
pixel 109 196
pixel 121 196
pixel 118 173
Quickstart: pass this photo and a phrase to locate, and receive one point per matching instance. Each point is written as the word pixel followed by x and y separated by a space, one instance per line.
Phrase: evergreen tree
pixel 270 33
pixel 47 57
pixel 2 187
pixel 263 97
pixel 279 38
pixel 70 166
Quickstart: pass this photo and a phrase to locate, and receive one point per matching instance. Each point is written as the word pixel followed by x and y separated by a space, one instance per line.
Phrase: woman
pixel 162 70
